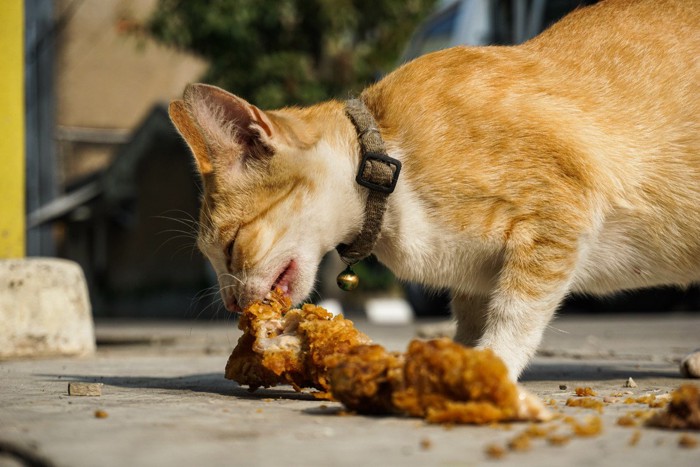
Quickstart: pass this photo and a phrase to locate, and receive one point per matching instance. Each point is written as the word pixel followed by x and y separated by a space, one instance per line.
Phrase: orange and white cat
pixel 568 163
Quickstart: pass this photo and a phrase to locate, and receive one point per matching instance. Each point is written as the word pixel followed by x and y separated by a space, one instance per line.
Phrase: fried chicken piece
pixel 284 346
pixel 438 380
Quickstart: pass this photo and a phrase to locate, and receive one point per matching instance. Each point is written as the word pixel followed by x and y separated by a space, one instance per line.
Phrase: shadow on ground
pixel 214 383
pixel 210 383
pixel 597 372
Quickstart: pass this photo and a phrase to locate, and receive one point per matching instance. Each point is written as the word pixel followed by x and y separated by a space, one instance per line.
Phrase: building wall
pixel 108 78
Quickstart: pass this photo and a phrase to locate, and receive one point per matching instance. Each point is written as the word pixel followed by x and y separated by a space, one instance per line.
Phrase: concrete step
pixel 44 309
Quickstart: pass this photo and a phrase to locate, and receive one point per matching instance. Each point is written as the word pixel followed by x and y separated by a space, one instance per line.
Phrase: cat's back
pixel 633 66
pixel 620 78
pixel 623 52
pixel 636 24
pixel 625 56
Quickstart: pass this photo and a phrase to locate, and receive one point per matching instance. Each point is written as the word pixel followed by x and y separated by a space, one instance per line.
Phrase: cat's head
pixel 278 191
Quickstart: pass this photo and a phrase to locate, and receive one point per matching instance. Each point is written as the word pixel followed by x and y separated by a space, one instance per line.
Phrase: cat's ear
pixel 232 128
pixel 190 131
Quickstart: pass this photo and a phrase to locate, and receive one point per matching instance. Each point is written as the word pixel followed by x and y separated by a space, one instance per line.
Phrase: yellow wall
pixel 12 236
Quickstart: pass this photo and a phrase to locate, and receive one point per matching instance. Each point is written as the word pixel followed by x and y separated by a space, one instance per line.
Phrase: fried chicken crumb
pixel 537 430
pixel 558 440
pixel 520 443
pixel 592 426
pixel 687 441
pixel 682 412
pixel 626 420
pixel 634 439
pixel 581 392
pixel 495 451
pixel 586 403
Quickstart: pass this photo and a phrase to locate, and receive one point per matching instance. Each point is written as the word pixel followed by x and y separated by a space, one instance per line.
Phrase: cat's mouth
pixel 283 283
pixel 284 279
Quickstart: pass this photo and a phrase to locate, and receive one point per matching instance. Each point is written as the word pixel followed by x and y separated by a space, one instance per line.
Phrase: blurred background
pixel 110 185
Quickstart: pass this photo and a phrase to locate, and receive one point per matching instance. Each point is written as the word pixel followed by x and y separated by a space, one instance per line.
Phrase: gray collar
pixel 378 172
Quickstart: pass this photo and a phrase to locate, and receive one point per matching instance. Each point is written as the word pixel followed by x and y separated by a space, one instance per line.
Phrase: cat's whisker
pixel 219 303
pixel 557 329
pixel 190 233
pixel 190 240
pixel 171 239
pixel 192 250
pixel 183 233
pixel 315 291
pixel 203 294
pixel 179 211
pixel 183 247
pixel 191 225
pixel 188 216
pixel 206 292
pixel 203 310
pixel 239 280
pixel 232 276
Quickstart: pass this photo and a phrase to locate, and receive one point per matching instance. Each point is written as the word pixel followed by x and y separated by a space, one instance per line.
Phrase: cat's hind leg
pixel 470 312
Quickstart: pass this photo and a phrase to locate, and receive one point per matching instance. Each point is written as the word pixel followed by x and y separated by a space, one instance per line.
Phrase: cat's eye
pixel 228 251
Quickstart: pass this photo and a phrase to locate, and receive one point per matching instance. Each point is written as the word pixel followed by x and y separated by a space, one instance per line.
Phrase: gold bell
pixel 348 280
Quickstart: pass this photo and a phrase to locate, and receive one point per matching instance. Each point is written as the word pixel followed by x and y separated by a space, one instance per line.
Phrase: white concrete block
pixel 44 309
pixel 389 311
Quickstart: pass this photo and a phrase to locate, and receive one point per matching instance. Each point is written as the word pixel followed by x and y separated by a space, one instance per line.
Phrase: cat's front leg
pixel 534 280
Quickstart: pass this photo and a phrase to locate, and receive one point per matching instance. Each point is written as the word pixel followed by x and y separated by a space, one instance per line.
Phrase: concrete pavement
pixel 166 403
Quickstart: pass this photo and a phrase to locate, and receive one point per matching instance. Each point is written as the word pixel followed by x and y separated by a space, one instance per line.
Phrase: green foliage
pixel 374 276
pixel 286 52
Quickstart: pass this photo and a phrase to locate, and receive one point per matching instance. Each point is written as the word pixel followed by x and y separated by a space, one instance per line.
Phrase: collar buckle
pixel 374 179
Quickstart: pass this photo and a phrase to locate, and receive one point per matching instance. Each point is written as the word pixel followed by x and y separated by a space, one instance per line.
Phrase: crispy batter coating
pixel 438 380
pixel 284 346
pixel 446 382
pixel 366 378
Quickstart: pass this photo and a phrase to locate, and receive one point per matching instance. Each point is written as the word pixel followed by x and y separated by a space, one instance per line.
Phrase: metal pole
pixel 41 183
